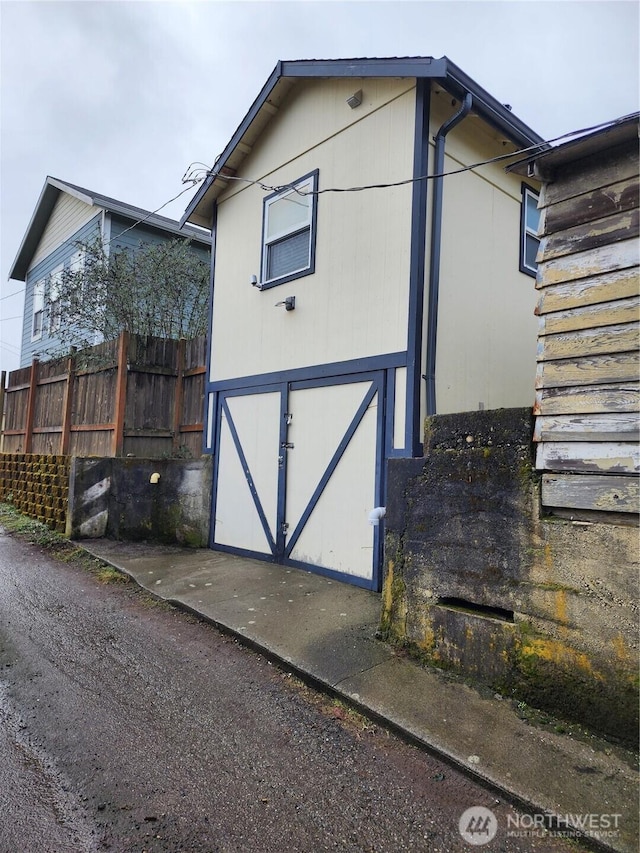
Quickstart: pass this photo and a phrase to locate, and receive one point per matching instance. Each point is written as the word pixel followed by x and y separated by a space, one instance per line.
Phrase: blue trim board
pixel 315 371
pixel 396 453
pixel 380 480
pixel 389 404
pixel 255 107
pixel 263 388
pixel 303 384
pixel 353 580
pixel 417 269
pixel 244 552
pixel 282 472
pixel 216 468
pixel 373 389
pixel 249 478
pixel 209 343
pixel 411 66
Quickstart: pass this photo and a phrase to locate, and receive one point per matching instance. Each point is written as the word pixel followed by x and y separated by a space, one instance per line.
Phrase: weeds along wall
pixel 37 485
pixel 479 582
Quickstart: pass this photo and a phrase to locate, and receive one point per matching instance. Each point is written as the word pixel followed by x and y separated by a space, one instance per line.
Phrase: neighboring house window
pixel 55 282
pixel 289 231
pixel 529 222
pixel 38 310
pixel 76 266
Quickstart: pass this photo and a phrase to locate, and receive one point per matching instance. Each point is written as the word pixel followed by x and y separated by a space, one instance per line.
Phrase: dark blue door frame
pixel 281 543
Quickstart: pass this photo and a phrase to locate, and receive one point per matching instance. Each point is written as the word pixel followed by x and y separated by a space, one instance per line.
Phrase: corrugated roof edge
pixel 418 66
pixel 612 133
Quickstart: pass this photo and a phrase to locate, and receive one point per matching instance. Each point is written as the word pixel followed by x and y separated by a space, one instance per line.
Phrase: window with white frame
pixel 289 231
pixel 55 283
pixel 38 310
pixel 76 268
pixel 529 224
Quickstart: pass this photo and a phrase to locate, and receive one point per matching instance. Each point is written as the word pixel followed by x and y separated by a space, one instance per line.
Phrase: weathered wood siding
pixel 587 390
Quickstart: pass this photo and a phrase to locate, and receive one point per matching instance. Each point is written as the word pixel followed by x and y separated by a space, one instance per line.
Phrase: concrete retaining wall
pixel 476 581
pixel 116 498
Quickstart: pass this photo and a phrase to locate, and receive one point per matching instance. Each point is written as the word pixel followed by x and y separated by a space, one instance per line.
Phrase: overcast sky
pixel 120 97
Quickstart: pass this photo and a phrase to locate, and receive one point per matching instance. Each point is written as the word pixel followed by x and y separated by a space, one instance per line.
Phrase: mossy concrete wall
pixel 115 497
pixel 477 581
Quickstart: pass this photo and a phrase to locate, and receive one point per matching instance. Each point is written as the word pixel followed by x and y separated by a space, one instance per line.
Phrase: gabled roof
pixel 283 78
pixel 543 163
pixel 44 208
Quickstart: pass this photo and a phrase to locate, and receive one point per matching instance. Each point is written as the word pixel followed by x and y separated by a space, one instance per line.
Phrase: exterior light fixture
pixel 355 100
pixel 289 303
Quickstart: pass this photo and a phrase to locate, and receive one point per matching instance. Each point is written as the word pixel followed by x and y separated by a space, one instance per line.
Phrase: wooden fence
pixel 134 396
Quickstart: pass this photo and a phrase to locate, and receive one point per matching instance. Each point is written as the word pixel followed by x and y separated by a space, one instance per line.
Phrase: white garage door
pixel 298 470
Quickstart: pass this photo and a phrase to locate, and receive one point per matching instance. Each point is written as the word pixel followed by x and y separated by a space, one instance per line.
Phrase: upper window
pixel 38 310
pixel 55 314
pixel 289 231
pixel 79 287
pixel 529 223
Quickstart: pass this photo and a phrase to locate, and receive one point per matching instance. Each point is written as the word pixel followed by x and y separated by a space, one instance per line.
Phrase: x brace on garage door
pixel 299 467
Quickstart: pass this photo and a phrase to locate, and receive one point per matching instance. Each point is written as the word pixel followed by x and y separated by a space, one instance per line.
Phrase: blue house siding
pixel 47 344
pixel 65 216
pixel 117 237
pixel 121 238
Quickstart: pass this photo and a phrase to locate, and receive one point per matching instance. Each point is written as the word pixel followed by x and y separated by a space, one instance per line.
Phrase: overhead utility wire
pixel 197 176
pixel 190 175
pixel 153 212
pixel 15 293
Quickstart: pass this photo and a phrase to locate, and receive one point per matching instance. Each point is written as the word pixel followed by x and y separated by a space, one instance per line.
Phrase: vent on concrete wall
pixel 476 609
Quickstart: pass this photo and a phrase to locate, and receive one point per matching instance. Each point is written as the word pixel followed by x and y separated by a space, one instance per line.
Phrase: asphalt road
pixel 128 726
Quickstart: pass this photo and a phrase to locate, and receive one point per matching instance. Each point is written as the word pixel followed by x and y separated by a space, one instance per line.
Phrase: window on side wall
pixel 38 310
pixel 289 232
pixel 55 315
pixel 529 222
pixel 76 268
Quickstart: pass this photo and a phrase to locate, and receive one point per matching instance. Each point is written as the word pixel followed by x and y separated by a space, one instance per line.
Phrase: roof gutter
pixel 497 114
pixel 436 241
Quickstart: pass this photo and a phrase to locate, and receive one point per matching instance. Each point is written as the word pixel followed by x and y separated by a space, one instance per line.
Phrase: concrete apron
pixel 325 632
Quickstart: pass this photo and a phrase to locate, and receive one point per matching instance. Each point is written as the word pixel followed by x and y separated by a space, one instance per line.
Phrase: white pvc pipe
pixel 376 514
